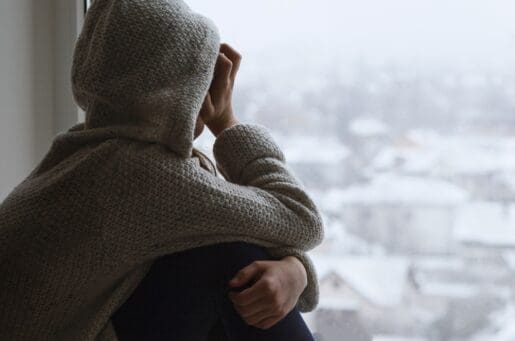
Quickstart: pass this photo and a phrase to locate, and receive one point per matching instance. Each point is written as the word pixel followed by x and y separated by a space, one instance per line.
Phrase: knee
pixel 239 255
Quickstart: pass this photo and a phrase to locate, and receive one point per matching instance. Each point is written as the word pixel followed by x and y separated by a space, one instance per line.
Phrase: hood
pixel 142 68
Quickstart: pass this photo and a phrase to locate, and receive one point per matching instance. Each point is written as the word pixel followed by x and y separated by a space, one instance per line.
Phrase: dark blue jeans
pixel 184 298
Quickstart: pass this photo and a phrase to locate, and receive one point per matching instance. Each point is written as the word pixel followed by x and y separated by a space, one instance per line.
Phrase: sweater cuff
pixel 237 147
pixel 309 298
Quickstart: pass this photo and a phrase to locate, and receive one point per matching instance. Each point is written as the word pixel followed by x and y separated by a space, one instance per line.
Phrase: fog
pixel 471 33
pixel 398 116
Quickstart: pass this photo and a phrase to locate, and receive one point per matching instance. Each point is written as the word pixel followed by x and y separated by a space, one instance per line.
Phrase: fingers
pixel 248 296
pixel 234 56
pixel 256 307
pixel 255 312
pixel 260 314
pixel 222 74
pixel 246 275
pixel 261 305
pixel 257 318
pixel 268 322
pixel 207 108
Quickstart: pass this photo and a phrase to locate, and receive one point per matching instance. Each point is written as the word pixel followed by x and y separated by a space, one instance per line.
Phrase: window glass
pixel 399 117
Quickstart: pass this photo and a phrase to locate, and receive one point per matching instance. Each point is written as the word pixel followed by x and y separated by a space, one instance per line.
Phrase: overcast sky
pixel 436 31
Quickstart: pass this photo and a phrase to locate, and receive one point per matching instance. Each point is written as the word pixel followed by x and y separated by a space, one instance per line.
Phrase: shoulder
pixel 155 162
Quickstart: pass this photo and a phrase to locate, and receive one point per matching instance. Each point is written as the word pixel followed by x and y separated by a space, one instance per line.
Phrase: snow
pixel 502 329
pixel 338 303
pixel 509 180
pixel 380 280
pixel 395 338
pixel 435 263
pixel 448 290
pixel 397 189
pixel 410 159
pixel 430 153
pixel 368 127
pixel 485 223
pixel 509 257
pixel 319 150
pixel 338 242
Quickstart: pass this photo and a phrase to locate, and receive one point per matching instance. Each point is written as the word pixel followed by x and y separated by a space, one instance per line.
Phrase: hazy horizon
pixel 468 33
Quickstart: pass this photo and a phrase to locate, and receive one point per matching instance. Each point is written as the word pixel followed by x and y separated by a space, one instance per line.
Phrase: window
pixel 399 117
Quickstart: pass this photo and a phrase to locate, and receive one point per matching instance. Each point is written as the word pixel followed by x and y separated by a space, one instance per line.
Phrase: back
pixel 50 232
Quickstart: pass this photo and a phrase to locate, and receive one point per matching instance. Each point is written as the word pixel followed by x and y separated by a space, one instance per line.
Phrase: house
pixel 372 286
pixel 319 162
pixel 340 324
pixel 403 214
pixel 484 167
pixel 485 225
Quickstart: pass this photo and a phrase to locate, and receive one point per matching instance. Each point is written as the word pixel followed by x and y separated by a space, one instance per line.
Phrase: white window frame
pixel 68 23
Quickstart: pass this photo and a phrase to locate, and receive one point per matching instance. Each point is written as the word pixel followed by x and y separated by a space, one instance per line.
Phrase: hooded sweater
pixel 122 189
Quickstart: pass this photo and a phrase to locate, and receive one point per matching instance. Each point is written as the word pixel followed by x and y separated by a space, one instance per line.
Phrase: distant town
pixel 414 173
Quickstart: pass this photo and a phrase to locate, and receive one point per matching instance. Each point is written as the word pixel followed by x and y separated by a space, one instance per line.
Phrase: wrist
pixel 299 268
pixel 225 122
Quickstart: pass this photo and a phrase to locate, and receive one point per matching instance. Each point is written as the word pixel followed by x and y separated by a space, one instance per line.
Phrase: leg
pixel 175 301
pixel 185 294
pixel 292 327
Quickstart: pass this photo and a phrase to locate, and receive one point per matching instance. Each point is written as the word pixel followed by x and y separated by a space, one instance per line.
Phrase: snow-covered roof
pixel 485 223
pixel 396 189
pixel 322 150
pixel 509 256
pixel 410 159
pixel 380 280
pixel 395 338
pixel 449 290
pixel 432 263
pixel 509 180
pixel 431 153
pixel 339 242
pixel 368 127
pixel 502 327
pixel 506 331
pixel 338 303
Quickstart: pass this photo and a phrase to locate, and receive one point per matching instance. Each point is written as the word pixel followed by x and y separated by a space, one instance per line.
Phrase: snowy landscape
pixel 399 118
pixel 419 205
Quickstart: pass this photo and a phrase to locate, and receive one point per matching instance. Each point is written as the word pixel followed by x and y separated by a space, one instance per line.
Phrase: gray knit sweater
pixel 121 190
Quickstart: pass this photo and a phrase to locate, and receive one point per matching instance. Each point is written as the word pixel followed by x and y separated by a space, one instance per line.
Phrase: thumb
pixel 246 275
pixel 208 109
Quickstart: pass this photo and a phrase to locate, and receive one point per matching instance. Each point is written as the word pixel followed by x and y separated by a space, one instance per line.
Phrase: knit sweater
pixel 119 191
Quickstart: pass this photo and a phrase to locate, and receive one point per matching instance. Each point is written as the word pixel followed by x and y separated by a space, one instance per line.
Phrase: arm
pixel 217 113
pixel 276 288
pixel 261 202
pixel 187 205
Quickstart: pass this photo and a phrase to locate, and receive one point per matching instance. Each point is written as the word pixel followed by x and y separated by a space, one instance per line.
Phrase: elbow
pixel 318 229
pixel 313 230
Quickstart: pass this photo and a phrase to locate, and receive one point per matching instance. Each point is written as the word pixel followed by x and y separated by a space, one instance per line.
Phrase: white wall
pixel 36 41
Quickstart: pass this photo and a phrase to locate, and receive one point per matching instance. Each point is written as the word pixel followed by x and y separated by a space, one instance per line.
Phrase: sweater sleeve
pixel 174 205
pixel 235 150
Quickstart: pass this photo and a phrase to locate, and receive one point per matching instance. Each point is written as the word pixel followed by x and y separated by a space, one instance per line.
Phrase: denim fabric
pixel 184 296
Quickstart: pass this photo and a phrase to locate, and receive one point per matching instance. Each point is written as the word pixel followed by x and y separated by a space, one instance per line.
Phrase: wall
pixel 36 40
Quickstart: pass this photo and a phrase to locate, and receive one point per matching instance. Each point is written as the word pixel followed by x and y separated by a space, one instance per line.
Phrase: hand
pixel 275 292
pixel 216 111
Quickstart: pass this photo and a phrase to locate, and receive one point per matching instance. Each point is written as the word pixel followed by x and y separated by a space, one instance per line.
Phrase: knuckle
pixel 276 306
pixel 266 326
pixel 269 284
pixel 251 322
pixel 226 61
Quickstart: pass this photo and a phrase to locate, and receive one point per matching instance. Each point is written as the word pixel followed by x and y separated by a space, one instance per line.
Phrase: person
pixel 124 231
